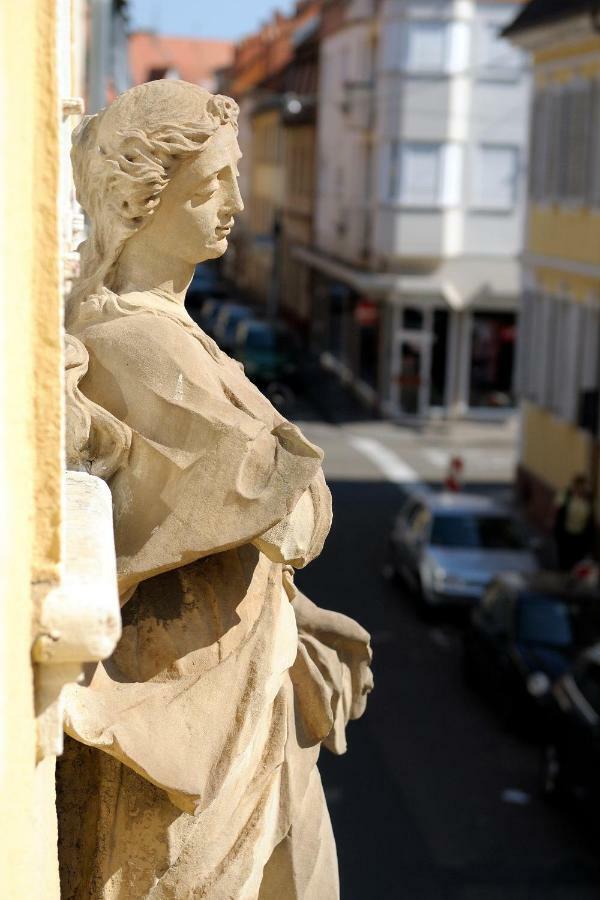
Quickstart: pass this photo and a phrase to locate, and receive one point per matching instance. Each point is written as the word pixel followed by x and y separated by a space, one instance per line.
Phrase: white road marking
pixel 389 463
pixel 438 458
pixel 473 457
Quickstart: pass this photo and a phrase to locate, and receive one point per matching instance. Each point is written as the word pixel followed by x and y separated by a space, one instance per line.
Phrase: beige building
pixel 43 45
pixel 265 200
pixel 558 375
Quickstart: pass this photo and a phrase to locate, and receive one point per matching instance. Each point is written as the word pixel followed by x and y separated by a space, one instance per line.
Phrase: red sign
pixel 366 313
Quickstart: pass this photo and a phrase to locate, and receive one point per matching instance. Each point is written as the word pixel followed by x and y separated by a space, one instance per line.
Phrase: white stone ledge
pixel 80 619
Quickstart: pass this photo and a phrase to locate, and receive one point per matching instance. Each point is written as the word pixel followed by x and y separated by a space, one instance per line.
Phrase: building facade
pixel 48 52
pixel 422 147
pixel 267 70
pixel 558 372
pixel 197 60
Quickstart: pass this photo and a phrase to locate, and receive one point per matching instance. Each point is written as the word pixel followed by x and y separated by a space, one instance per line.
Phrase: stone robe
pixel 210 713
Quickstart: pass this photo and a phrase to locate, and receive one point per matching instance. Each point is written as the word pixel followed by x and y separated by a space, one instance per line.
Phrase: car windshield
pixel 470 531
pixel 261 338
pixel 543 619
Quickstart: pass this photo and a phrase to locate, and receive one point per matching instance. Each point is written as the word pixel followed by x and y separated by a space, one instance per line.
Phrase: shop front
pixel 415 347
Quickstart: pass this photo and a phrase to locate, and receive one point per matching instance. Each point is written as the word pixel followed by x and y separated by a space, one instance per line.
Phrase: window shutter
pixel 590 361
pixel 593 161
pixel 524 343
pixel 563 175
pixel 578 142
pixel 537 147
pixel 553 150
pixel 571 375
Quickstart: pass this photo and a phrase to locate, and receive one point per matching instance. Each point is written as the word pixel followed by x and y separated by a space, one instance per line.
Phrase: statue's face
pixel 197 207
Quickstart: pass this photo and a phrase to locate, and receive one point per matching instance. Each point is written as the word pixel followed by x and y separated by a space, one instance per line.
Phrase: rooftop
pixel 153 56
pixel 538 13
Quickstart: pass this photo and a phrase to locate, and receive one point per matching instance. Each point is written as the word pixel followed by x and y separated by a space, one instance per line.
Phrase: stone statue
pixel 190 770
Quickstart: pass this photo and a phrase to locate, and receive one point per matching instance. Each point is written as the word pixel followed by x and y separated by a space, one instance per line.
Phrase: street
pixel 434 800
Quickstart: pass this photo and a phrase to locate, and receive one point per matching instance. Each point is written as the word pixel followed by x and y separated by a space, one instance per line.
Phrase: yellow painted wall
pixel 30 428
pixel 574 54
pixel 552 449
pixel 572 234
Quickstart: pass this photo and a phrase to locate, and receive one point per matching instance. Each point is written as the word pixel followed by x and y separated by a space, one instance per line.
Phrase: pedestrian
pixel 574 523
pixel 454 479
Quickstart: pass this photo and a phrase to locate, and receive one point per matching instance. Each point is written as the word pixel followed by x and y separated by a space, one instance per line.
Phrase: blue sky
pixel 204 18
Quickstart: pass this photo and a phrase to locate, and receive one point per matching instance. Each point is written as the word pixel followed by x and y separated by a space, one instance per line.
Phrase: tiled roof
pixel 152 56
pixel 545 12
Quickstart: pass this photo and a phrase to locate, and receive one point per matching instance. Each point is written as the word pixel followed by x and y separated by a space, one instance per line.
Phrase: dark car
pixel 570 767
pixel 524 636
pixel 271 358
pixel 206 315
pixel 206 282
pixel 226 324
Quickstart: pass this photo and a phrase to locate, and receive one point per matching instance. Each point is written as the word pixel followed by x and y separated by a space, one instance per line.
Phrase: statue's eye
pixel 207 190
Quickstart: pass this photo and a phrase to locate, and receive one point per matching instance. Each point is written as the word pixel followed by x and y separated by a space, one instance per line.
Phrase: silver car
pixel 447 547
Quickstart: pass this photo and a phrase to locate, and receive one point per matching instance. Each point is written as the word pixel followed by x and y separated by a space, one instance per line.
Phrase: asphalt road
pixel 419 803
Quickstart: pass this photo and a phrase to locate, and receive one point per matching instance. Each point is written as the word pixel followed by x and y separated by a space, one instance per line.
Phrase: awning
pixel 490 283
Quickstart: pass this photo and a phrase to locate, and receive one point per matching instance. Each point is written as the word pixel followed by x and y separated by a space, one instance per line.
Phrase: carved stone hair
pixel 123 158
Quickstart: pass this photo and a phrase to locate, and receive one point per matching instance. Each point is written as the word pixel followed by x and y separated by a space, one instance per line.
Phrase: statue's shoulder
pixel 142 336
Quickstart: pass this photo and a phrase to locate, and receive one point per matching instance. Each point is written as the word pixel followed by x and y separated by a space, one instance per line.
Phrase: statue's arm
pixel 213 466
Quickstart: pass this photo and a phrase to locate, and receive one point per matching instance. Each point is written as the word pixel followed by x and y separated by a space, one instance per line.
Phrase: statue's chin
pixel 215 249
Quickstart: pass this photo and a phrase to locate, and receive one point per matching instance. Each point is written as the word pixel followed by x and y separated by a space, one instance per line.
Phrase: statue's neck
pixel 139 271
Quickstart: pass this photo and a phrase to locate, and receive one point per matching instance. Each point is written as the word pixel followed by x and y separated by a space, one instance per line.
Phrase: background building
pixel 198 60
pixel 267 69
pixel 422 145
pixel 558 368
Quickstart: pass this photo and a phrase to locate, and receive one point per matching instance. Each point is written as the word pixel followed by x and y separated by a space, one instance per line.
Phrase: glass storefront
pixel 493 338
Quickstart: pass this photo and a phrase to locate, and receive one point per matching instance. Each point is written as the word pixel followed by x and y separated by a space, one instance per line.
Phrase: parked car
pixel 447 547
pixel 523 636
pixel 570 761
pixel 271 358
pixel 206 282
pixel 206 315
pixel 226 323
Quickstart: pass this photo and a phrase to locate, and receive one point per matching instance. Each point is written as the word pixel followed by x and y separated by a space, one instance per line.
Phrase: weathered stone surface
pixel 203 728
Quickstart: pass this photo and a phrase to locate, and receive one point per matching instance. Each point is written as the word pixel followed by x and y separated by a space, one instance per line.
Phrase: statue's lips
pixel 222 231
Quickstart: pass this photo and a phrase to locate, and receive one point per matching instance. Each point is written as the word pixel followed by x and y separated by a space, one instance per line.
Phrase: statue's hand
pixel 335 649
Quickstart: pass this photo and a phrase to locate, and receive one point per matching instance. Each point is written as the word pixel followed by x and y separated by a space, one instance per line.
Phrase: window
pixel 593 177
pixel 466 531
pixel 543 620
pixel 423 174
pixel 426 46
pixel 495 177
pixel 497 58
pixel 540 137
pixel 565 144
pixel 420 174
